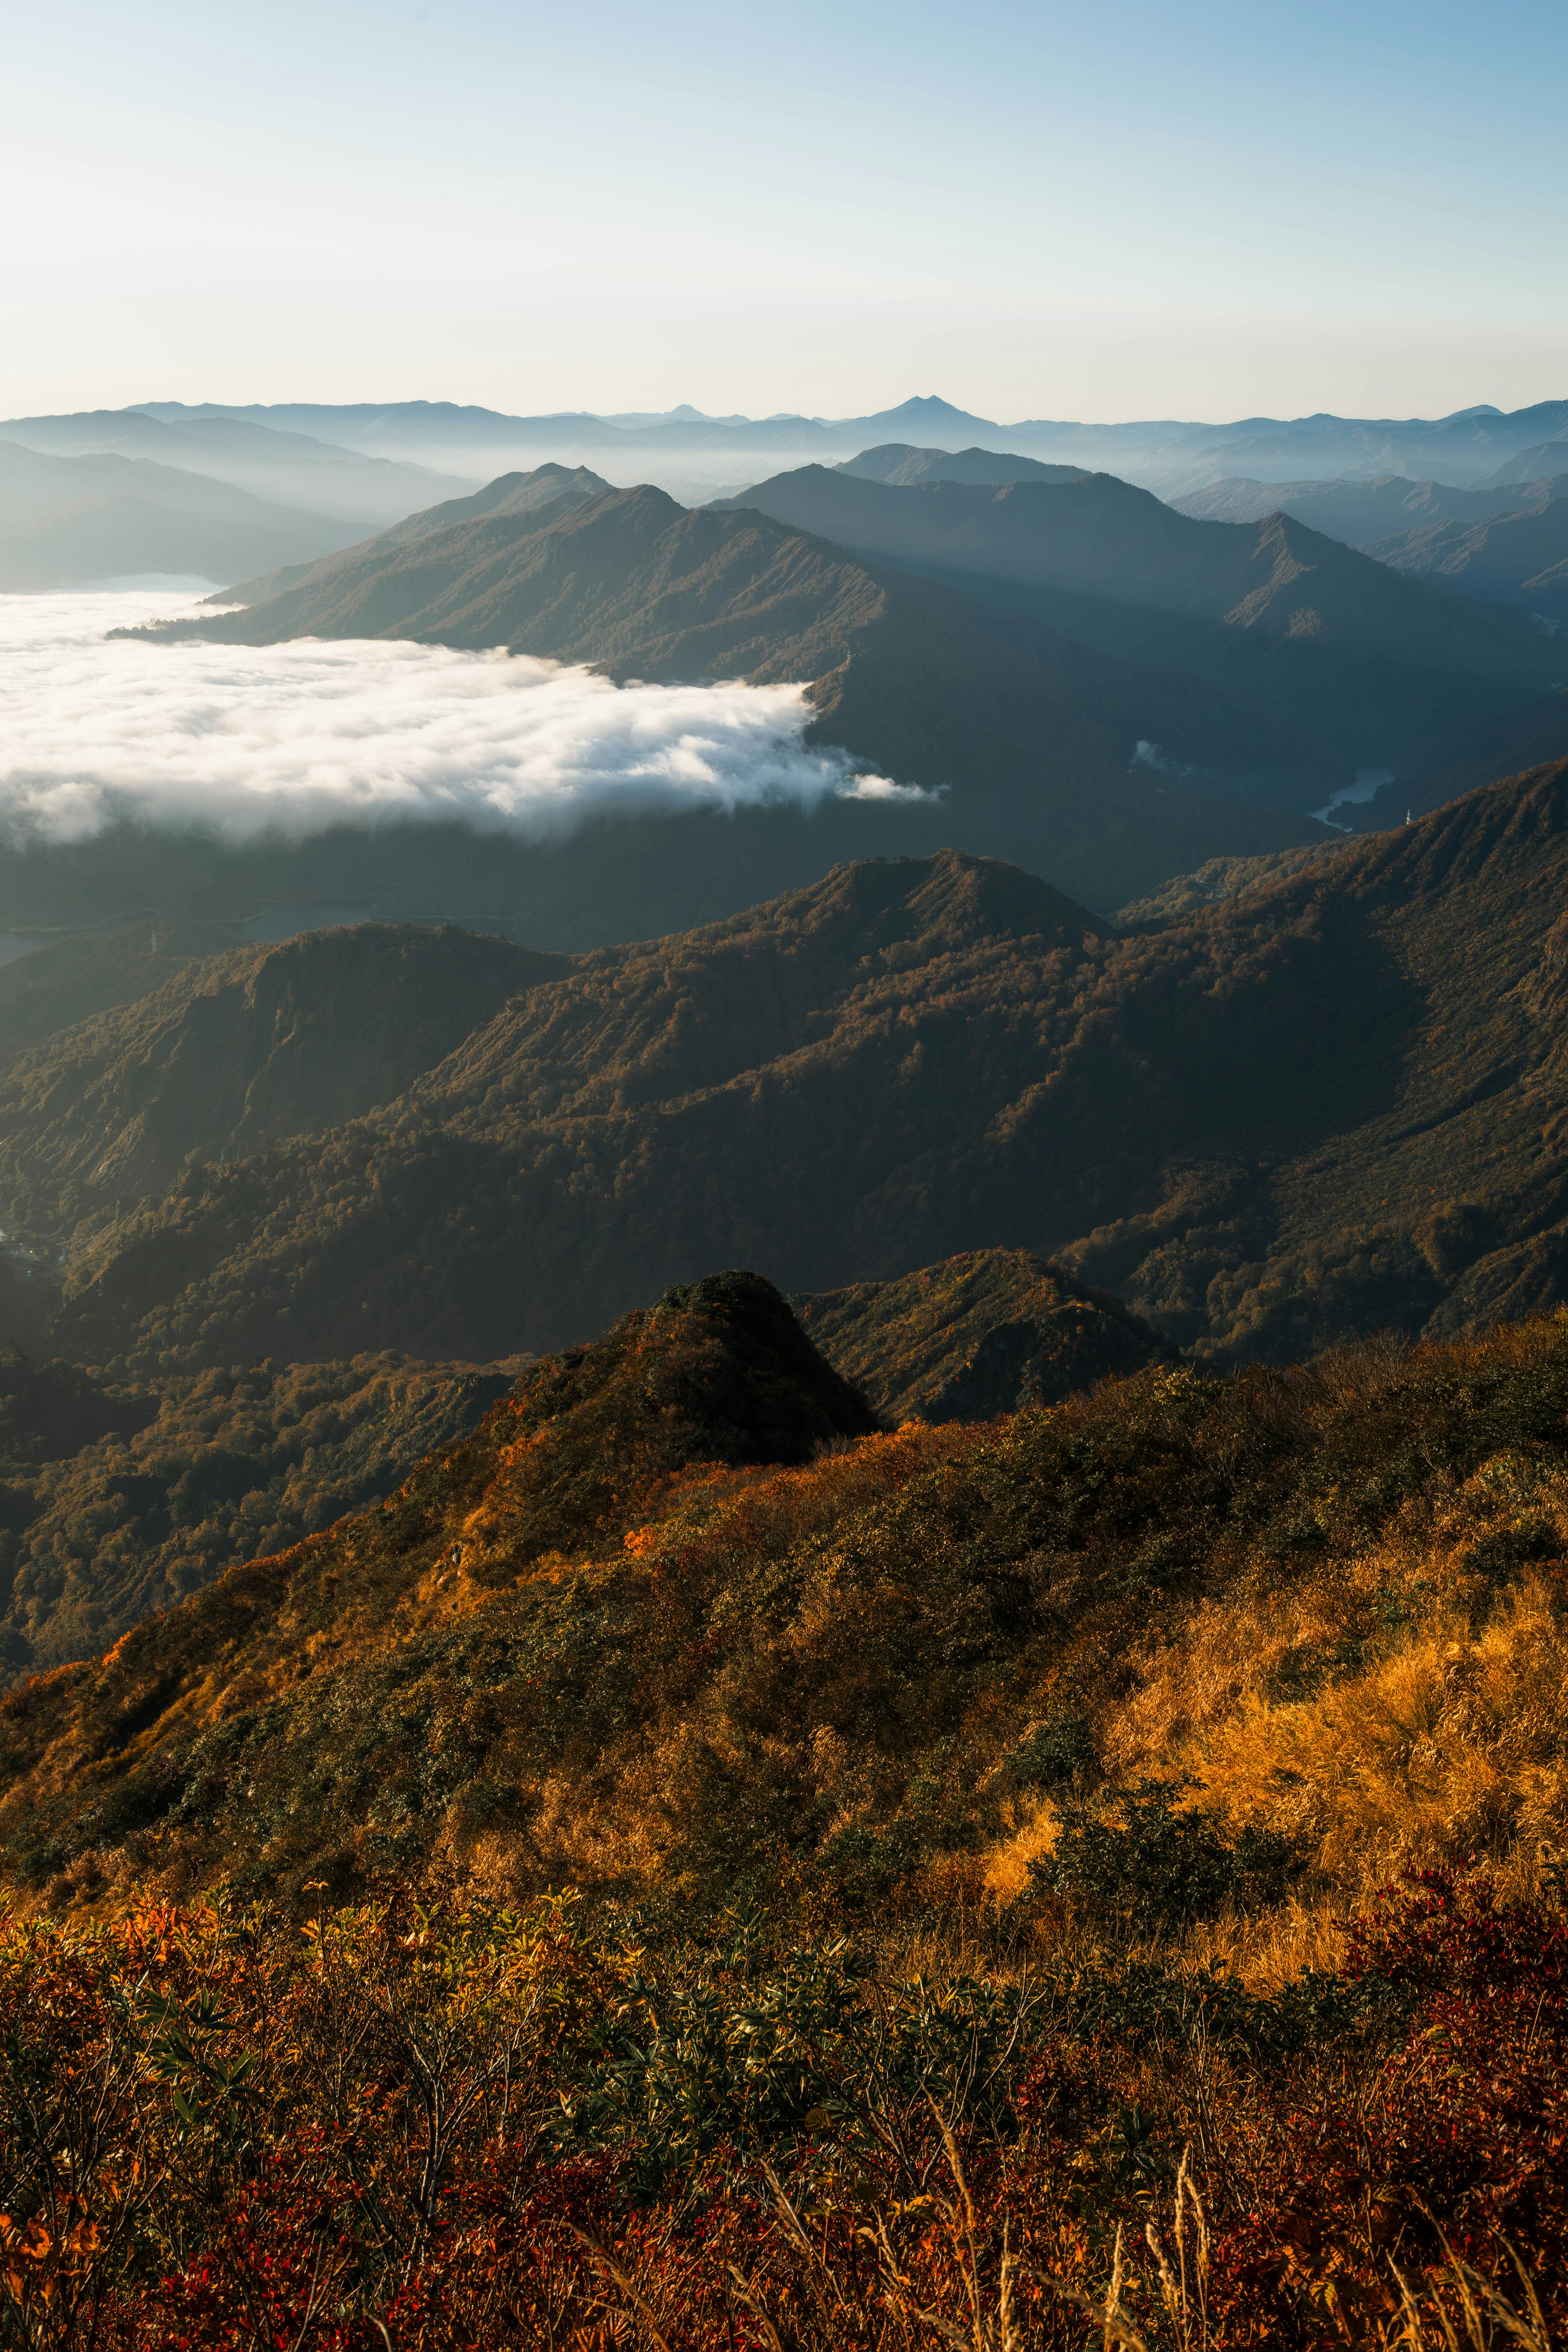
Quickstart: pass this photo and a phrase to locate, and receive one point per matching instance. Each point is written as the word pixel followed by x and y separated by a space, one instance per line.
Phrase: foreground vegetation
pixel 402 2128
pixel 677 1617
pixel 1090 1876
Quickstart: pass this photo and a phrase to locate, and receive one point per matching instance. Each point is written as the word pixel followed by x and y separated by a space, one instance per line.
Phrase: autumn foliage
pixel 417 2128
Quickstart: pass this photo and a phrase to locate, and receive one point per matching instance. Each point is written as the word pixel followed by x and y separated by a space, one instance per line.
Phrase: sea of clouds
pixel 291 740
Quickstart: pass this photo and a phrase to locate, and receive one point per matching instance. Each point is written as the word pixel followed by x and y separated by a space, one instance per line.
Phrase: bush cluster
pixel 423 2127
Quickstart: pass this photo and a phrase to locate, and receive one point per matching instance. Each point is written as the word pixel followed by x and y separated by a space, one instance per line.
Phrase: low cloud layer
pixel 289 739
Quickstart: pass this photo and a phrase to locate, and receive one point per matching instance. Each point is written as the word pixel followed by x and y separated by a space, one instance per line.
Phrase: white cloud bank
pixel 246 741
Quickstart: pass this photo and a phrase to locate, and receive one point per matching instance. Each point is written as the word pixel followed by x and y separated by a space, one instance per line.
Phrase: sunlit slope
pixel 605 1641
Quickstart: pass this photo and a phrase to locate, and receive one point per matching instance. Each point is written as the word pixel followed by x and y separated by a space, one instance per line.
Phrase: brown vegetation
pixel 603 1640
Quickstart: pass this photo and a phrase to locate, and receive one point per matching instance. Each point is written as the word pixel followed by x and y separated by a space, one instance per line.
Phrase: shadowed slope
pixel 241 1050
pixel 1336 1101
pixel 116 1500
pixel 1309 630
pixel 1512 559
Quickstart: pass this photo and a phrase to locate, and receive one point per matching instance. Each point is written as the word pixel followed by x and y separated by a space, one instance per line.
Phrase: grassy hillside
pixel 605 1640
pixel 981 1334
pixel 1330 1103
pixel 972 1843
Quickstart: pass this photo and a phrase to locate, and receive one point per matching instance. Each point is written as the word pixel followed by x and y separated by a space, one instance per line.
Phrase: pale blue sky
pixel 1119 211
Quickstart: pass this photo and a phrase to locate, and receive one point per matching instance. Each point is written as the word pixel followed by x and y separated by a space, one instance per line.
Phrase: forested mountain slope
pixel 1335 1102
pixel 983 1333
pixel 241 1050
pixel 118 1499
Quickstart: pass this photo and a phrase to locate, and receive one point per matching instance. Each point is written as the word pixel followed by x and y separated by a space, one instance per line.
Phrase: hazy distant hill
pixel 67 519
pixel 897 462
pixel 1313 632
pixel 1333 1103
pixel 1172 456
pixel 1540 464
pixel 1509 559
pixel 1360 512
pixel 287 466
pixel 1507 544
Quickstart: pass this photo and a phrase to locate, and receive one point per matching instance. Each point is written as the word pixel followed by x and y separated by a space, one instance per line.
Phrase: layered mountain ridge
pixel 1332 1100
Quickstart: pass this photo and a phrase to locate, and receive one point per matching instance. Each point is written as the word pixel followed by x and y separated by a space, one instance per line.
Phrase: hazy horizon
pixel 1135 215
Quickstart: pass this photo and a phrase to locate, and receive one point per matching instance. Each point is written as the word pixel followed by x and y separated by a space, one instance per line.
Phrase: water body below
pixel 1368 781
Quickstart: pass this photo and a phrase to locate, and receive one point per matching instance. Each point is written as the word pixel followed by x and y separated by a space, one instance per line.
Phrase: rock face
pixel 981 1334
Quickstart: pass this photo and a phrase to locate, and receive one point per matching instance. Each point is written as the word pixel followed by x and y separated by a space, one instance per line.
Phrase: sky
pixel 1036 211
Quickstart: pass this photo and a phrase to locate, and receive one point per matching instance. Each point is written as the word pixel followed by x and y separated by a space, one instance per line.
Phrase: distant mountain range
pixel 289 467
pixel 65 520
pixel 1507 544
pixel 1170 456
